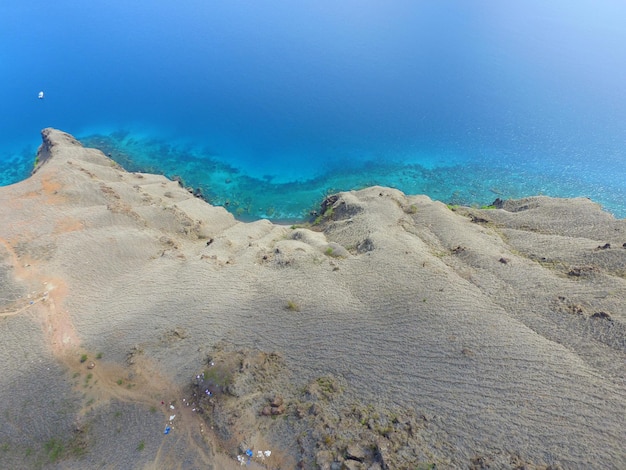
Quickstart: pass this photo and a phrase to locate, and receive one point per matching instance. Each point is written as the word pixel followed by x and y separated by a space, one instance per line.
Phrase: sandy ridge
pixel 503 328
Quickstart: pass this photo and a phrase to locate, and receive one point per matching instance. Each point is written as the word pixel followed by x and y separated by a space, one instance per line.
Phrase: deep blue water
pixel 269 105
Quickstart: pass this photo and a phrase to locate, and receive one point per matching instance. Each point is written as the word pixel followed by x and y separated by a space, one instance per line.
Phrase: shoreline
pixel 249 198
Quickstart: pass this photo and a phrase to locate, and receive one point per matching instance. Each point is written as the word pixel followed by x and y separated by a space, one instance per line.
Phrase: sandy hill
pixel 394 332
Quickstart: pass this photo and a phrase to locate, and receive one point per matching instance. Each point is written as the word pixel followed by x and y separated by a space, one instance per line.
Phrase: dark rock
pixel 498 203
pixel 606 246
pixel 365 246
pixel 384 453
pixel 277 410
pixel 576 309
pixel 352 465
pixel 328 203
pixel 581 271
pixel 504 260
pixel 478 220
pixel 601 315
pixel 355 452
pixel 336 208
pixel 179 180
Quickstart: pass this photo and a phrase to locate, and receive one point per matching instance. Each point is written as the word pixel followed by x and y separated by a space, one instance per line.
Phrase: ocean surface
pixel 267 106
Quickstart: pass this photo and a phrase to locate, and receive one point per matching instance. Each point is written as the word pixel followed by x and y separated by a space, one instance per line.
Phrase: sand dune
pixel 399 332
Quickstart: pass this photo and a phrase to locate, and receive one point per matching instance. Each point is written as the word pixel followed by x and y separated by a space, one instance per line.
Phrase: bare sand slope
pixel 408 333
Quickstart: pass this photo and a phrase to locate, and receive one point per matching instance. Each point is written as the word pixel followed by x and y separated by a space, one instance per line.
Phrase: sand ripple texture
pixel 505 326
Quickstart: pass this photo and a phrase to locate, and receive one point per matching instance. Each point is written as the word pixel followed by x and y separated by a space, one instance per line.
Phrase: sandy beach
pixel 392 332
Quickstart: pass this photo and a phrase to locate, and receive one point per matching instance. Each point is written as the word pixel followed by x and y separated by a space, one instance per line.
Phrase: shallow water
pixel 269 106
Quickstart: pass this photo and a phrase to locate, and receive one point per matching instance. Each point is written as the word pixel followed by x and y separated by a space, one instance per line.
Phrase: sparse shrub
pixel 55 449
pixel 219 375
pixel 83 358
pixel 292 306
pixel 326 215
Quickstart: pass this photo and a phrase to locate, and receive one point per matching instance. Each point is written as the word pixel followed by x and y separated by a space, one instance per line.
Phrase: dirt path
pixel 141 383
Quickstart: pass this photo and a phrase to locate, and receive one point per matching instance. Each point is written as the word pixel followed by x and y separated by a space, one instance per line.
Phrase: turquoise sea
pixel 266 106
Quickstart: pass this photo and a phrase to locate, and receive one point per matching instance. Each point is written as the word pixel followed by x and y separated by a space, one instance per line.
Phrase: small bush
pixel 83 358
pixel 55 449
pixel 219 375
pixel 292 306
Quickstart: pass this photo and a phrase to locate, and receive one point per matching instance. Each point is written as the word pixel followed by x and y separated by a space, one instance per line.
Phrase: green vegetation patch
pixel 219 375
